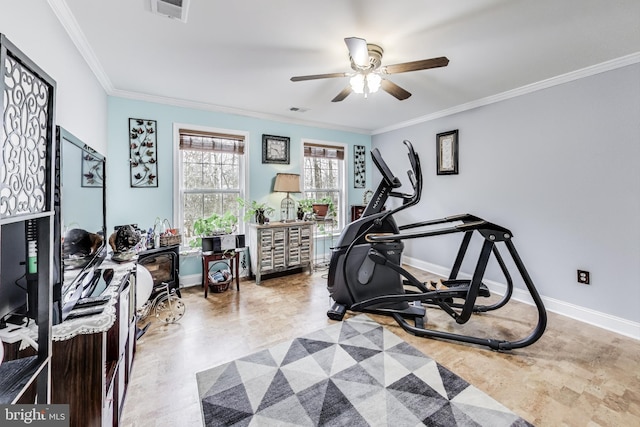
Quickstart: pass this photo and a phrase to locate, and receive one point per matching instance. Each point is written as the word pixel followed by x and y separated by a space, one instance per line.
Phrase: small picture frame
pixel 447 153
pixel 275 149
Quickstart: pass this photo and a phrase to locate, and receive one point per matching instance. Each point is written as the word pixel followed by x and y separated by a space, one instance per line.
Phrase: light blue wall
pixel 126 205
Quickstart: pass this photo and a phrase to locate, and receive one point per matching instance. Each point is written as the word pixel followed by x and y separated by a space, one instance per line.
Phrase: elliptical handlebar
pixel 415 178
pixel 413 158
pixel 390 181
pixel 382 166
pixel 415 174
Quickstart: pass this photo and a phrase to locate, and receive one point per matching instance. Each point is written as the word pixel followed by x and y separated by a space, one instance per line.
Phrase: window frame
pixel 343 190
pixel 178 167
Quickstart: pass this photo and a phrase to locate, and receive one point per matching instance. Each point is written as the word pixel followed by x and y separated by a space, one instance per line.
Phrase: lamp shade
pixel 287 183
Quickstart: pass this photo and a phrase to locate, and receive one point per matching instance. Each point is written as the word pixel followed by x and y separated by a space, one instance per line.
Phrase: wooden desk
pixel 208 257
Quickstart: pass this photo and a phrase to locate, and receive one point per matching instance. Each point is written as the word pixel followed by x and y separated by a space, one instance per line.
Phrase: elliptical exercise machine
pixel 365 272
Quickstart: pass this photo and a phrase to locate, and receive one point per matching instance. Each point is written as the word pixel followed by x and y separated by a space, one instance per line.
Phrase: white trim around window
pixel 344 197
pixel 177 166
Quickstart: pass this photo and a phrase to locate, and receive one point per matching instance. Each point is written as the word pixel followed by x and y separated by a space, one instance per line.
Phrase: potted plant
pixel 324 207
pixel 213 225
pixel 306 205
pixel 319 207
pixel 253 209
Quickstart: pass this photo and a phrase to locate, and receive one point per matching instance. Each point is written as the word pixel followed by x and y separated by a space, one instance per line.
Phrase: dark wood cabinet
pixel 356 211
pixel 90 370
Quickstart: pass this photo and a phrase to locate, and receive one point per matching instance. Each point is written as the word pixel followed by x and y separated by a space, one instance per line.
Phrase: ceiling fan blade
pixel 318 76
pixel 394 89
pixel 416 65
pixel 343 94
pixel 358 51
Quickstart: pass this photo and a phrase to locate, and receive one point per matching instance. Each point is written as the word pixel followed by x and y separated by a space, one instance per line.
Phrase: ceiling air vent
pixel 175 9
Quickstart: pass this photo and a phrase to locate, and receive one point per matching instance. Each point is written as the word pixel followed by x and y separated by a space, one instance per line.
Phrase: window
pixel 210 176
pixel 324 177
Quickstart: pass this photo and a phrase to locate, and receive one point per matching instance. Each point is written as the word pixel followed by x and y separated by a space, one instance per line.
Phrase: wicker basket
pixel 219 286
pixel 169 236
pixel 170 240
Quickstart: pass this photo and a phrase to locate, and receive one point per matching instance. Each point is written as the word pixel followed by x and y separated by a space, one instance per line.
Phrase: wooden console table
pixel 208 257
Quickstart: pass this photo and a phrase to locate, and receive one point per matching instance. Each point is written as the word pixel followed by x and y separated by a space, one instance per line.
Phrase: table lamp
pixel 287 183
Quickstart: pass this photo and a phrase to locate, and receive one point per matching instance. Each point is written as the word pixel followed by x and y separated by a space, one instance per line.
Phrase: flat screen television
pixel 80 224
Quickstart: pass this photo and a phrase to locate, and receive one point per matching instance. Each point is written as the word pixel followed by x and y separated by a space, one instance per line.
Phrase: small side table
pixel 208 257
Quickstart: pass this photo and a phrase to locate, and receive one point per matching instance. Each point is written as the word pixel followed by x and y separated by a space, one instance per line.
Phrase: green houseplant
pixel 215 224
pixel 255 210
pixel 306 205
pixel 320 207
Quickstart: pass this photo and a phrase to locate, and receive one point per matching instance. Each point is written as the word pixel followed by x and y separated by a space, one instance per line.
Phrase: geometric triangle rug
pixel 351 373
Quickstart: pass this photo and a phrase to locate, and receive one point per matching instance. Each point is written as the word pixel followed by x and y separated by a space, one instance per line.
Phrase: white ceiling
pixel 239 55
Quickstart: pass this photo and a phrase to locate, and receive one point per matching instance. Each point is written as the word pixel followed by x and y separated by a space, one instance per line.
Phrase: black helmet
pixel 124 239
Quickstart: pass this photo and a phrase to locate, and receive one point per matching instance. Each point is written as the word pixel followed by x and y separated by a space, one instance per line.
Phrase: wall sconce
pixel 287 183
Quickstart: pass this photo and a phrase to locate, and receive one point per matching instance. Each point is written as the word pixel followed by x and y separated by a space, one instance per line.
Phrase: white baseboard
pixel 602 320
pixel 582 314
pixel 190 280
pixel 195 280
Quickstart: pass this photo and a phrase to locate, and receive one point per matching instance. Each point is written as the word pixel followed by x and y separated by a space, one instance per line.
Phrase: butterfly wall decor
pixel 143 154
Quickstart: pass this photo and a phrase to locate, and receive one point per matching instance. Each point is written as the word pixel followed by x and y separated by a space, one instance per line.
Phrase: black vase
pixel 260 216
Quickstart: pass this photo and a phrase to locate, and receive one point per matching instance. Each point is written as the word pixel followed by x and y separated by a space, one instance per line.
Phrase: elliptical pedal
pixel 336 312
pixel 483 291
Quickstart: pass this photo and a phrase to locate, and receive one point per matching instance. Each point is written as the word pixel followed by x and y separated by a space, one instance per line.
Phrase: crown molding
pixel 613 64
pixel 177 102
pixel 70 24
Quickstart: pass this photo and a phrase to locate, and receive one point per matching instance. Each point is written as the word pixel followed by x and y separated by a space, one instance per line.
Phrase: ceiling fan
pixel 366 62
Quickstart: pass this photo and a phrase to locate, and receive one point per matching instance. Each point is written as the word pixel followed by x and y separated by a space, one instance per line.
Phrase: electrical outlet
pixel 583 277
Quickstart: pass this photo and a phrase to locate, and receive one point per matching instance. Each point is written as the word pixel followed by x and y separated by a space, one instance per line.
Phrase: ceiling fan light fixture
pixel 365 83
pixel 357 83
pixel 373 82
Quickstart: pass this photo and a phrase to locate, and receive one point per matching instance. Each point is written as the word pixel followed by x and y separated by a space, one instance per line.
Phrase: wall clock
pixel 275 149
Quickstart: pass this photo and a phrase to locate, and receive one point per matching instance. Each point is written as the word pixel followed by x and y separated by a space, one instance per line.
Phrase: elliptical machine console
pixel 365 272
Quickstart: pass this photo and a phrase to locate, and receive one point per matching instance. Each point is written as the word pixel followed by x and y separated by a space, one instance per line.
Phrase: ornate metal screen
pixel 27 133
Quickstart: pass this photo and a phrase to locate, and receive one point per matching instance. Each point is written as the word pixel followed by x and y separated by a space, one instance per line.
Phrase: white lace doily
pixel 98 322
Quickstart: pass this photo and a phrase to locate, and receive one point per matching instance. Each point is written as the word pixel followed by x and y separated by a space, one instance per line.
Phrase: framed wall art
pixel 447 153
pixel 143 153
pixel 92 169
pixel 275 149
pixel 359 162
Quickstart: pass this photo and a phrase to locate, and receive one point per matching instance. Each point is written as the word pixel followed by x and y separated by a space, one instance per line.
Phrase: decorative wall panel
pixel 25 135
